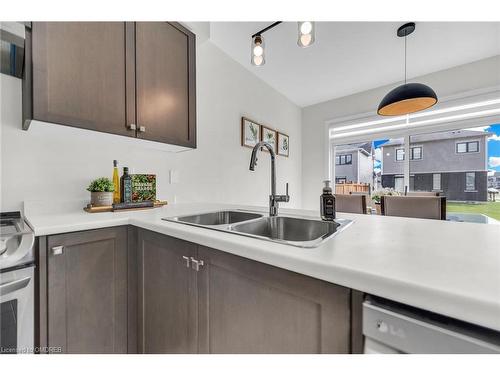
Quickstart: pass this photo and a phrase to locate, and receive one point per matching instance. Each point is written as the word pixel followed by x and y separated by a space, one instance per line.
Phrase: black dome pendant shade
pixel 409 97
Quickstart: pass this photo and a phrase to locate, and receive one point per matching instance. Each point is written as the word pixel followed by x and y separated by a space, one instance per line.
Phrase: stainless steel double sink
pixel 295 231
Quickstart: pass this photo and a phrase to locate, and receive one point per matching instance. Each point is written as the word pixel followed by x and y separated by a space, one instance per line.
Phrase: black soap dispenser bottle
pixel 327 202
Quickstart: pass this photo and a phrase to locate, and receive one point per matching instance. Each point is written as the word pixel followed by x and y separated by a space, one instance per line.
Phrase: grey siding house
pixel 453 163
pixel 354 163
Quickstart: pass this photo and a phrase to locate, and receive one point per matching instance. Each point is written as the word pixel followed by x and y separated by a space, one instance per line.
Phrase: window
pixel 343 159
pixel 400 154
pixel 399 183
pixel 416 153
pixel 473 146
pixel 465 147
pixel 436 181
pixel 470 181
pixel 341 180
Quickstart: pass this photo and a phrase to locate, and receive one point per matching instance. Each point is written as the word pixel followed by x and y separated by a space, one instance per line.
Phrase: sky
pixel 493 149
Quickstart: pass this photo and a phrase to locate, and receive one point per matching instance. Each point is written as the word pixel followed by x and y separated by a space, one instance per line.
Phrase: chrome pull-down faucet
pixel 273 198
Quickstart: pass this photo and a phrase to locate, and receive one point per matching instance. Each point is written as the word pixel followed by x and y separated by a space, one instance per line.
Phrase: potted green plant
pixel 377 196
pixel 101 192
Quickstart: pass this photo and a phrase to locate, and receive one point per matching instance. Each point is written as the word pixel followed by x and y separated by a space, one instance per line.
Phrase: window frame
pixel 412 153
pixel 396 154
pixel 467 146
pixel 473 174
pixel 343 157
pixel 433 182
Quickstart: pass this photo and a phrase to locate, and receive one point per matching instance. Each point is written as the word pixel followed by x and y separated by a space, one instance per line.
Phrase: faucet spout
pixel 273 198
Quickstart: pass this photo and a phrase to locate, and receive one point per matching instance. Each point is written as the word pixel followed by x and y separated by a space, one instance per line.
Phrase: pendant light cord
pixel 405 56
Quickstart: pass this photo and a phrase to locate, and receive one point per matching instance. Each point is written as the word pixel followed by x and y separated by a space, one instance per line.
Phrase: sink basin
pixel 295 231
pixel 218 218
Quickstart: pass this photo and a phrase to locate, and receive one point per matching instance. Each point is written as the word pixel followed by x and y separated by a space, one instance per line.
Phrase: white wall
pixel 474 76
pixel 57 162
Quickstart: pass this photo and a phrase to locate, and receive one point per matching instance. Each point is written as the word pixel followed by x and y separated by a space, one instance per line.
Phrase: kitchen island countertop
pixel 445 267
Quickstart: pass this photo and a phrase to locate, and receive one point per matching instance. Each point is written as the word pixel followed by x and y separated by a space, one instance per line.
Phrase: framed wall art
pixel 283 144
pixel 250 132
pixel 269 136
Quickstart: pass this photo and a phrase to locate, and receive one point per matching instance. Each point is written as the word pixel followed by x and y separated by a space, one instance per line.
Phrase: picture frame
pixel 269 135
pixel 283 144
pixel 251 132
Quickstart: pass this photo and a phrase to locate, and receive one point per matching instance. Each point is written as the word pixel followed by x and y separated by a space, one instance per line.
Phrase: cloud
pixel 378 154
pixel 494 161
pixel 494 137
pixel 377 170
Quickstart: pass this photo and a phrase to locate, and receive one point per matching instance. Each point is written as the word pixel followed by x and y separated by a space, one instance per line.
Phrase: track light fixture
pixel 306 37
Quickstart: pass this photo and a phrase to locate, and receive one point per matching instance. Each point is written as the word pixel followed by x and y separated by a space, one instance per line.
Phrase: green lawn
pixel 491 209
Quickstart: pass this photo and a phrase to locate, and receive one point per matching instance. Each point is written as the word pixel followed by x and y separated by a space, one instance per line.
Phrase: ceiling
pixel 350 57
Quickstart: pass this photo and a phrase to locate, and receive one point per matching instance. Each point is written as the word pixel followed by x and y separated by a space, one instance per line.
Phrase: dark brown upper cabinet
pixel 165 83
pixel 125 78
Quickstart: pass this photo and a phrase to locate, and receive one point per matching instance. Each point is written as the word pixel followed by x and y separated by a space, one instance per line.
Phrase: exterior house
pixel 454 163
pixel 494 181
pixel 354 163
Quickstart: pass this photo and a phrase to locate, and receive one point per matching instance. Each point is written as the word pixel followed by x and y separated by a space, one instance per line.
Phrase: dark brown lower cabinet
pixel 167 321
pixel 250 307
pixel 126 289
pixel 233 304
pixel 86 305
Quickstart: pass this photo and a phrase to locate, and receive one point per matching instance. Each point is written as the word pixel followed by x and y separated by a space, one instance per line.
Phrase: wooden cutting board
pixel 94 209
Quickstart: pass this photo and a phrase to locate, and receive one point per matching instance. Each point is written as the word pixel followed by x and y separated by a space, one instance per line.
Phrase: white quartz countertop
pixel 445 267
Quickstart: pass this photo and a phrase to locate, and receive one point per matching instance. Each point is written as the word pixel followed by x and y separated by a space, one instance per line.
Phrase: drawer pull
pixel 57 250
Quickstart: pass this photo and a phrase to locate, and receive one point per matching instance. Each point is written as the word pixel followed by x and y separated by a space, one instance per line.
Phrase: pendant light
pixel 409 97
pixel 257 58
pixel 306 33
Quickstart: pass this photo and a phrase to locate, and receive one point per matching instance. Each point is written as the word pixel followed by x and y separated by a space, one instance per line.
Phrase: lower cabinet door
pixel 167 320
pixel 87 291
pixel 249 307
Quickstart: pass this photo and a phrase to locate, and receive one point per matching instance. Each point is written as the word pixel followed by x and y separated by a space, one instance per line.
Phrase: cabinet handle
pixel 57 250
pixel 196 264
pixel 142 129
pixel 187 260
pixel 132 127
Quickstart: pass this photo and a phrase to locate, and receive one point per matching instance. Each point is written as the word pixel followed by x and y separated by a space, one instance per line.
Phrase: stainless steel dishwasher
pixel 393 328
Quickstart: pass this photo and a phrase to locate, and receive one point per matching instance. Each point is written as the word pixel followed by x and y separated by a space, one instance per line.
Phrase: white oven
pixel 17 310
pixel 17 278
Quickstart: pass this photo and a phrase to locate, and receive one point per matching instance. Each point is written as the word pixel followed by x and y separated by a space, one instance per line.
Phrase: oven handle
pixel 12 286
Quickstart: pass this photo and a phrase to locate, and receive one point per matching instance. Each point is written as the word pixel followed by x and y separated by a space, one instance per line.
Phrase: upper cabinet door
pixel 165 83
pixel 80 77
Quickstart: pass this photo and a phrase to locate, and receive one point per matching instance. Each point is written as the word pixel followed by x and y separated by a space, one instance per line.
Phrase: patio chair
pixel 422 194
pixel 351 203
pixel 417 207
pixel 369 201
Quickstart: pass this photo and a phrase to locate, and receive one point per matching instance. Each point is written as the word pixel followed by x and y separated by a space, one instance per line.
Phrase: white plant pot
pixel 101 198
